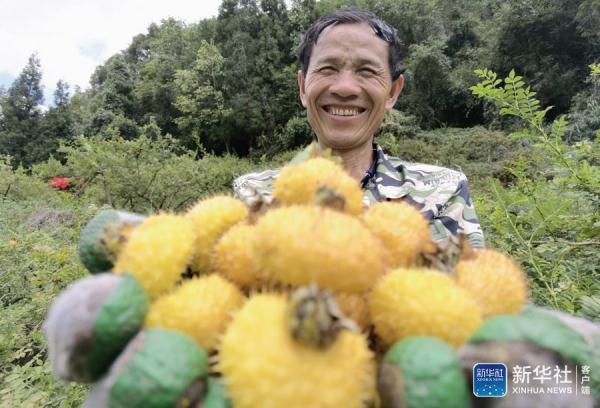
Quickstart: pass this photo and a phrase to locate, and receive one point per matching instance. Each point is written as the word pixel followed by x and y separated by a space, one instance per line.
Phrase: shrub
pixel 142 174
pixel 18 185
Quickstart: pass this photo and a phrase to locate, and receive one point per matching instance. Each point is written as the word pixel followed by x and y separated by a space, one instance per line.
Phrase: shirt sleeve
pixel 458 216
pixel 254 186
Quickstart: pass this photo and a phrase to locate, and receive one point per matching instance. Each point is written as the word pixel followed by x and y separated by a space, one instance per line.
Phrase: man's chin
pixel 342 142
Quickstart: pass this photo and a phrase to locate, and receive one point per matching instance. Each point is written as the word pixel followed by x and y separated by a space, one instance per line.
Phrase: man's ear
pixel 301 88
pixel 397 86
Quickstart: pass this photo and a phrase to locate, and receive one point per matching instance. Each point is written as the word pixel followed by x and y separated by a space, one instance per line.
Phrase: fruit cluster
pixel 302 301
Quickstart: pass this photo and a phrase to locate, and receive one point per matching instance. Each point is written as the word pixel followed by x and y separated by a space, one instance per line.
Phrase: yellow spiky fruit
pixel 402 230
pixel 300 245
pixel 233 256
pixel 422 302
pixel 355 307
pixel 200 307
pixel 157 252
pixel 496 282
pixel 263 366
pixel 299 184
pixel 210 219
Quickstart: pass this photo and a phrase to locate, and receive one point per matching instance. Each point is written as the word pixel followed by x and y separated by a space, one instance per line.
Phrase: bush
pixel 37 261
pixel 296 133
pixel 143 175
pixel 17 185
pixel 478 152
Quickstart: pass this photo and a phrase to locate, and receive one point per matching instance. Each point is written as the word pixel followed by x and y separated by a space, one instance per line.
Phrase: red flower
pixel 60 183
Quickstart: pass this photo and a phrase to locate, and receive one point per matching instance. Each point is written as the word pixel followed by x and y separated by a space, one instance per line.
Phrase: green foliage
pixel 399 125
pixel 201 101
pixel 296 133
pixel 16 185
pixel 143 174
pixel 584 116
pixel 543 39
pixel 427 80
pixel 547 218
pixel 19 123
pixel 38 258
pixel 514 99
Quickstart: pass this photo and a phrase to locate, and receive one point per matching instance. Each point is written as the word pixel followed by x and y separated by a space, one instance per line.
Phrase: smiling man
pixel 350 75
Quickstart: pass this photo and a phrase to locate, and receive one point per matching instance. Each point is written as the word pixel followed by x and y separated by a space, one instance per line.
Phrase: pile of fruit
pixel 303 301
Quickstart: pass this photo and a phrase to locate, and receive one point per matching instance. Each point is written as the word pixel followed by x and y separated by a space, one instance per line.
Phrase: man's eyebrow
pixel 367 61
pixel 327 60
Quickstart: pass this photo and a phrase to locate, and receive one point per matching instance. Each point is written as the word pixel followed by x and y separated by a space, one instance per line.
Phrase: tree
pixel 542 40
pixel 61 94
pixel 113 103
pixel 201 101
pixel 584 116
pixel 260 74
pixel 55 126
pixel 21 113
pixel 167 48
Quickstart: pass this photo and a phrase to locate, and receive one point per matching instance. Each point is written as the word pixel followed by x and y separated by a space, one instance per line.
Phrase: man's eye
pixel 367 71
pixel 327 70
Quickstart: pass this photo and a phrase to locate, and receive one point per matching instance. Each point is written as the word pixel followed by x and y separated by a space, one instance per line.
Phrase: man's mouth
pixel 343 110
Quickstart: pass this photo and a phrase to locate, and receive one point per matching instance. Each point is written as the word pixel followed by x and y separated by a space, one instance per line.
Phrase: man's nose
pixel 345 85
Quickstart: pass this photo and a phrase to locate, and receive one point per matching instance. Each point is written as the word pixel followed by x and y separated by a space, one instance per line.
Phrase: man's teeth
pixel 343 112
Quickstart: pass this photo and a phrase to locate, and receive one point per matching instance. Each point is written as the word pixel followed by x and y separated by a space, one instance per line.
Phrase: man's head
pixel 352 15
pixel 350 75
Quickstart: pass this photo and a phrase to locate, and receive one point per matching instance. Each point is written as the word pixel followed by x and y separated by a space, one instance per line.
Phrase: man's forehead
pixel 337 40
pixel 349 31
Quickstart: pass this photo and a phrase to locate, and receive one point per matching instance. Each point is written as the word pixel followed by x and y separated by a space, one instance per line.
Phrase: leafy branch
pixel 514 99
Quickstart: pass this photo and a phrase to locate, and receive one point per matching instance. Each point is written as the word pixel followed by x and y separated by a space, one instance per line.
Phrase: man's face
pixel 348 86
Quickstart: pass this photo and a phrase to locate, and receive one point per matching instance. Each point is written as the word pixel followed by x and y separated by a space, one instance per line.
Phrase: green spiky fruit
pixel 496 282
pixel 422 302
pixel 402 230
pixel 157 253
pixel 300 245
pixel 103 237
pixel 210 219
pixel 91 322
pixel 537 327
pixel 153 371
pixel 301 183
pixel 422 372
pixel 201 308
pixel 269 368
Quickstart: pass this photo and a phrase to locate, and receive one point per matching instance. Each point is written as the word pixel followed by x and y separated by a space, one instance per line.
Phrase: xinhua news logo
pixel 489 380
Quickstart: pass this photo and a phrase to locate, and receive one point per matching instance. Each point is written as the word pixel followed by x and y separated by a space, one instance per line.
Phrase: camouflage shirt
pixel 441 194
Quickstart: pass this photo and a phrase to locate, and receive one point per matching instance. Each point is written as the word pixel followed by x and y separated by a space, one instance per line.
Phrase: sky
pixel 73 37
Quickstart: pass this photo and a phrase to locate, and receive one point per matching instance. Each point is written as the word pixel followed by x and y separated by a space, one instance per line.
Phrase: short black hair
pixel 352 15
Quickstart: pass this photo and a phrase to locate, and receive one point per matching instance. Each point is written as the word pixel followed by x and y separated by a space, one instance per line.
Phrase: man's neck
pixel 356 161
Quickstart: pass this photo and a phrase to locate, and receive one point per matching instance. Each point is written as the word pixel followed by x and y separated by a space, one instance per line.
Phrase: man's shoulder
pixel 252 186
pixel 427 175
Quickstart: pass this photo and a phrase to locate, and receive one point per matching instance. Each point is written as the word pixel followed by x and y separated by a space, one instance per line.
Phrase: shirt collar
pixel 389 180
pixel 371 171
